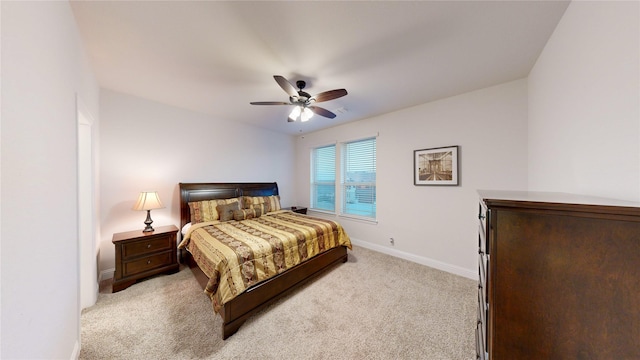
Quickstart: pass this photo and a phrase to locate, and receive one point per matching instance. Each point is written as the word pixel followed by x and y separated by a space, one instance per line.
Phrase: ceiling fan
pixel 303 101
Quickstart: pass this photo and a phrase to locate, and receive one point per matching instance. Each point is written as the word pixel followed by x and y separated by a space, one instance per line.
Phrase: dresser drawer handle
pixel 148 246
pixel 148 262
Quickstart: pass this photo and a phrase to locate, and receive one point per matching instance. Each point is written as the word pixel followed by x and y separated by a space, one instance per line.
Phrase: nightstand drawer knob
pixel 148 262
pixel 149 246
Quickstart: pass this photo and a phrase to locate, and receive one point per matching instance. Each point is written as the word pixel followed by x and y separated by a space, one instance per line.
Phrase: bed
pixel 236 297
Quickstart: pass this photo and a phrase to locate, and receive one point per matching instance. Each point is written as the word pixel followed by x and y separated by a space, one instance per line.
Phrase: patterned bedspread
pixel 236 255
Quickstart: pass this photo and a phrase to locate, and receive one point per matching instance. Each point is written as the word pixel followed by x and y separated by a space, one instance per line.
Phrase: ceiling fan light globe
pixel 306 115
pixel 295 113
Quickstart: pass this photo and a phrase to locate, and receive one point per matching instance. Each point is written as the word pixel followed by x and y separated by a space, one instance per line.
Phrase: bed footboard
pixel 238 310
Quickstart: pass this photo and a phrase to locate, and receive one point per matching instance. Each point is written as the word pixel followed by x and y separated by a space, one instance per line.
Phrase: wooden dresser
pixel 140 254
pixel 559 277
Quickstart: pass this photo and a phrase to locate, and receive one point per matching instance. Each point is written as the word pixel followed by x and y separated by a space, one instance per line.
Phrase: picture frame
pixel 436 166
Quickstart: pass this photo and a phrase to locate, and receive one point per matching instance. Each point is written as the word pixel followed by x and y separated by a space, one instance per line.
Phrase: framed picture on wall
pixel 436 166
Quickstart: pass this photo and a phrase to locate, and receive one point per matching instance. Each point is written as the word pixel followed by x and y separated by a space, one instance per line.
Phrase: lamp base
pixel 148 222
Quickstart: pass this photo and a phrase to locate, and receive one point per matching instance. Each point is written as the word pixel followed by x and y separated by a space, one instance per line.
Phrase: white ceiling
pixel 216 57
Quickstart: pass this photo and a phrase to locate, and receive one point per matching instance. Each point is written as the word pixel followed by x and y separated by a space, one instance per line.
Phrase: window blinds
pixel 359 178
pixel 323 178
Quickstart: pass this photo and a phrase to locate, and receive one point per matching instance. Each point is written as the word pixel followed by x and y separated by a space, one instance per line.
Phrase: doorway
pixel 88 262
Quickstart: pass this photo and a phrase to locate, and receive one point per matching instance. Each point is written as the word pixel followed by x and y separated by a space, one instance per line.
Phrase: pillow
pixel 226 210
pixel 257 212
pixel 186 228
pixel 205 210
pixel 202 211
pixel 264 203
pixel 242 214
pixel 255 202
pixel 274 202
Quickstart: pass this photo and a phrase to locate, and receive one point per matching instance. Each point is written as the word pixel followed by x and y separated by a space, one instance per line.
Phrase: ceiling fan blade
pixel 286 86
pixel 322 112
pixel 269 103
pixel 330 95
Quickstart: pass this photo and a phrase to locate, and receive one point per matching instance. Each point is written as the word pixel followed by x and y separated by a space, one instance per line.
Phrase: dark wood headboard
pixel 208 191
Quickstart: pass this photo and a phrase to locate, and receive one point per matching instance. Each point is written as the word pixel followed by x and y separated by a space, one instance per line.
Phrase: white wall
pixel 43 68
pixel 145 145
pixel 584 112
pixel 435 225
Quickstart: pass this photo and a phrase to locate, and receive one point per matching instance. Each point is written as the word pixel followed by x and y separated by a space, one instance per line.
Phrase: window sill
pixel 359 218
pixel 345 216
pixel 326 212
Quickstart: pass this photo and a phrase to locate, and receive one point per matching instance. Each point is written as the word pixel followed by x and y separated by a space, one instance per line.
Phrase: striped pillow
pixel 205 210
pixel 263 203
pixel 274 202
pixel 243 214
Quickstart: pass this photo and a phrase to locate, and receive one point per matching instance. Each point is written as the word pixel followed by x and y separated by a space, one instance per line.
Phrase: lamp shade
pixel 148 200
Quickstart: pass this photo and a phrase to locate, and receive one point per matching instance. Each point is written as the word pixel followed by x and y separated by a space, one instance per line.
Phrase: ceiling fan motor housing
pixel 303 96
pixel 302 99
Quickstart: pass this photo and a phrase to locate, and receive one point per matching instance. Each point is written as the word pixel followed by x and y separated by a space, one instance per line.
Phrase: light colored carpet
pixel 374 306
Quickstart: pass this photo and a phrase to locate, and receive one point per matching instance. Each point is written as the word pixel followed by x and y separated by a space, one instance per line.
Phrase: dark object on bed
pixel 235 312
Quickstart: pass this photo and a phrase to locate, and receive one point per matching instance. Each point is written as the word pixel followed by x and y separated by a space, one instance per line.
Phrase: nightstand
pixel 140 254
pixel 299 210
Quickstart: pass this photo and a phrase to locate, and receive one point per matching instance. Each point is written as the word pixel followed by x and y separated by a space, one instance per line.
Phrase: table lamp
pixel 148 200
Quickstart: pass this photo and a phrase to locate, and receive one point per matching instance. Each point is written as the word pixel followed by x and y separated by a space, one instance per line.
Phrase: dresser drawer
pixel 147 263
pixel 480 343
pixel 482 309
pixel 482 269
pixel 482 240
pixel 147 246
pixel 482 215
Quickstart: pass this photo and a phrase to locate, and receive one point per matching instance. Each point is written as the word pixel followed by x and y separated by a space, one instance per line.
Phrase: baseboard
pixel 76 350
pixel 473 275
pixel 106 274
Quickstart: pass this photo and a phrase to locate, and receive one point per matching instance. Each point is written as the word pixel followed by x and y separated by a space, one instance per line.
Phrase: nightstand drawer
pixel 147 246
pixel 147 263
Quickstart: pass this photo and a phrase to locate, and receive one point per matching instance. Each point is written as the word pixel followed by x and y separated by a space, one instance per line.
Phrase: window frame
pixel 339 188
pixel 313 200
pixel 345 157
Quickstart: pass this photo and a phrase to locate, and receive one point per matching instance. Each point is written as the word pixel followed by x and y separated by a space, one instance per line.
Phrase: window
pixel 357 173
pixel 358 176
pixel 323 178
